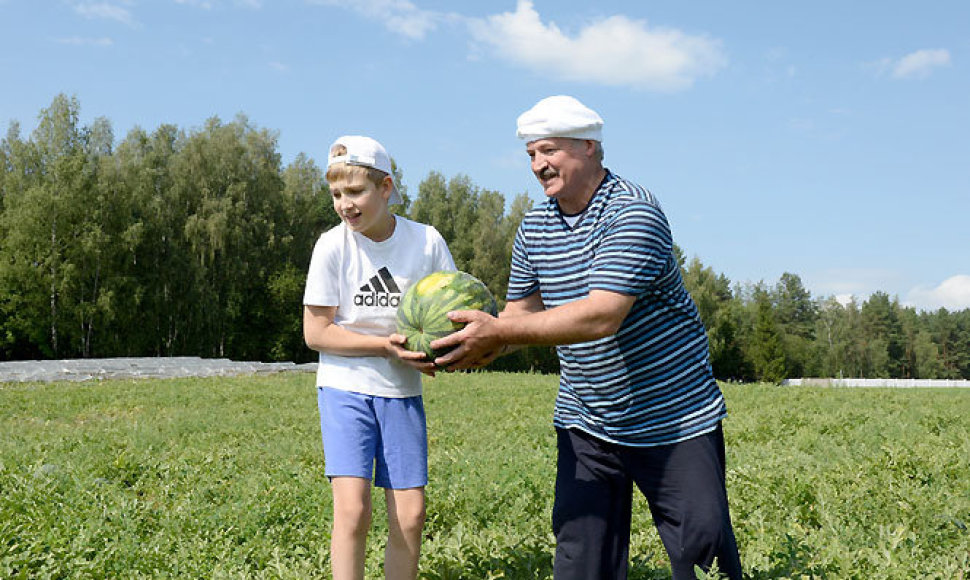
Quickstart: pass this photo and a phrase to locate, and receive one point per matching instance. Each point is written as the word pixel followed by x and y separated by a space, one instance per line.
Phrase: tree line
pixel 196 242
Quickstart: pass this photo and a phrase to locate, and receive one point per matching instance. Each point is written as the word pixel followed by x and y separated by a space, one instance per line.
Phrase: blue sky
pixel 828 139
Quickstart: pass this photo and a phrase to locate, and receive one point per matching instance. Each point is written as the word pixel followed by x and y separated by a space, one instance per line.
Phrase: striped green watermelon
pixel 422 315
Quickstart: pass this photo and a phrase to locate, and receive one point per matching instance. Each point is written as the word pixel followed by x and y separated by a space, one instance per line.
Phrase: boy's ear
pixel 387 186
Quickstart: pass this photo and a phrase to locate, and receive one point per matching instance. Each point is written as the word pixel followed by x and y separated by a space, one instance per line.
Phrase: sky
pixel 828 139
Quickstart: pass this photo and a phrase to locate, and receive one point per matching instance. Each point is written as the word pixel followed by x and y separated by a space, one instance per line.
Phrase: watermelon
pixel 422 315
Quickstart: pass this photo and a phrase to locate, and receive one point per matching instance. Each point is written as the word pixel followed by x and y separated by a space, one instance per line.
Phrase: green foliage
pixel 474 224
pixel 720 314
pixel 795 314
pixel 196 242
pixel 765 348
pixel 173 243
pixel 781 331
pixel 856 483
pixel 223 477
pixel 52 231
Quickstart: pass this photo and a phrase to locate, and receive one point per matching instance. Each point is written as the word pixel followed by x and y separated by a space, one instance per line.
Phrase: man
pixel 593 272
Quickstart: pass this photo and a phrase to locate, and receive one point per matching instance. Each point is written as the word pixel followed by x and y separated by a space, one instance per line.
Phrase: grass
pixel 222 478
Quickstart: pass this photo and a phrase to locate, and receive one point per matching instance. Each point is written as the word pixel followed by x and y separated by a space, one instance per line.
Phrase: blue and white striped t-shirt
pixel 651 383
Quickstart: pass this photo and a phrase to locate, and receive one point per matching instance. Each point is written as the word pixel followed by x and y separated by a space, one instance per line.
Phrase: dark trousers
pixel 684 487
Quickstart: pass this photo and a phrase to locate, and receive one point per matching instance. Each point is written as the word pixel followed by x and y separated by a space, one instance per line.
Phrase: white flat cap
pixel 560 116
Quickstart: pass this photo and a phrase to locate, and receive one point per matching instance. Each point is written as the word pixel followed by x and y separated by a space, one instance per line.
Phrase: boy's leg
pixel 592 510
pixel 402 469
pixel 405 521
pixel 684 486
pixel 351 521
pixel 349 430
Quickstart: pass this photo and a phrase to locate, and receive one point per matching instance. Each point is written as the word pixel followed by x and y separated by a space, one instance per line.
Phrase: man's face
pixel 562 166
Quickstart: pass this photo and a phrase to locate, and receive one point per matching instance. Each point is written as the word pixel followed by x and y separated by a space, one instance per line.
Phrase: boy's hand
pixel 397 348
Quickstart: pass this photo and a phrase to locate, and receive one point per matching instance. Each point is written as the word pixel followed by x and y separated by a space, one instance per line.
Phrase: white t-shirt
pixel 365 279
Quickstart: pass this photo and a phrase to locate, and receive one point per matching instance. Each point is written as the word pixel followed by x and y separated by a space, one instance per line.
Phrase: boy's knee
pixel 354 518
pixel 411 518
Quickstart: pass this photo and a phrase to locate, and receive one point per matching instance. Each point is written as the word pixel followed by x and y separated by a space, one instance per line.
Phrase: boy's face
pixel 362 205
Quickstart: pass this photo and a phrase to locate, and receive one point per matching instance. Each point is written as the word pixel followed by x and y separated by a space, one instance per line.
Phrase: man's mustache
pixel 547 173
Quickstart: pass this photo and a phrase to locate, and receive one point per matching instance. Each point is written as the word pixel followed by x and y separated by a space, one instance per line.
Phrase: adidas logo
pixel 381 290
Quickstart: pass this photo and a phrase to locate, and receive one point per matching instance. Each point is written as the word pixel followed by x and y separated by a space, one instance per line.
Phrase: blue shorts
pixel 383 437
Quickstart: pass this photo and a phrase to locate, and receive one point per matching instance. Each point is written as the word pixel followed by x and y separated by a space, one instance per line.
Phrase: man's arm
pixel 525 322
pixel 528 305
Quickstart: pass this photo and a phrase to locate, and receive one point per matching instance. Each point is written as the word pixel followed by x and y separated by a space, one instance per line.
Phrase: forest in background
pixel 195 242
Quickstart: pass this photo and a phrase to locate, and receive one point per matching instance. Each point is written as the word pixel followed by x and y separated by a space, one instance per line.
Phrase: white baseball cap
pixel 366 152
pixel 560 116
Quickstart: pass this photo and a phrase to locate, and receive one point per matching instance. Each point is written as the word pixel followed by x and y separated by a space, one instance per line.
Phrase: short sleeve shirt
pixel 650 383
pixel 365 280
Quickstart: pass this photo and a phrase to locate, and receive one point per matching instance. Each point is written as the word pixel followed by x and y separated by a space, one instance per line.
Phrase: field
pixel 222 478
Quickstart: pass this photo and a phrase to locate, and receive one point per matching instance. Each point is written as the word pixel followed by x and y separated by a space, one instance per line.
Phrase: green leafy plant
pixel 223 478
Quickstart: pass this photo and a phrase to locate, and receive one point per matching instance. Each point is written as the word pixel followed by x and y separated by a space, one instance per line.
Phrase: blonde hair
pixel 339 171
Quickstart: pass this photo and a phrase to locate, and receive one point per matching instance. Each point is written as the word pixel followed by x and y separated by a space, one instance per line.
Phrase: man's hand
pixel 476 345
pixel 397 348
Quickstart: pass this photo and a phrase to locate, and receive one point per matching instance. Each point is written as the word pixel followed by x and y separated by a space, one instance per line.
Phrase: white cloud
pixel 399 16
pixel 847 284
pixel 952 294
pixel 616 51
pixel 851 281
pixel 203 4
pixel 844 299
pixel 210 4
pixel 801 124
pixel 105 11
pixel 915 65
pixel 82 41
pixel 920 64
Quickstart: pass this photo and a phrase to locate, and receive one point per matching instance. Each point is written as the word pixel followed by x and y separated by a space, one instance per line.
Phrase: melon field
pixel 222 478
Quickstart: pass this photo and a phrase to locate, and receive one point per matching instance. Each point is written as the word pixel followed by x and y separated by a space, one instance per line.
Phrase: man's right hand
pixel 475 345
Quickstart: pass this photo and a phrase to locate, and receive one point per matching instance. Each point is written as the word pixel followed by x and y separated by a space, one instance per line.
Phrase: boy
pixel 369 386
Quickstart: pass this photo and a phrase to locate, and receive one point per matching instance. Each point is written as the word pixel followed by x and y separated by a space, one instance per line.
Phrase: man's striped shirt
pixel 650 383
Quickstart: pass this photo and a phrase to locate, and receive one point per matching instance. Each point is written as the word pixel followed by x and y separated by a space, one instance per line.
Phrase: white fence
pixel 901 383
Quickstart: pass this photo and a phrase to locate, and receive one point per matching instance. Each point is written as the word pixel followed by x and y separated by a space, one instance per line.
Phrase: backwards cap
pixel 560 116
pixel 366 152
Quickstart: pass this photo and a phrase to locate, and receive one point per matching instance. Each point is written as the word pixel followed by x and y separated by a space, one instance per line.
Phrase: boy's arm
pixel 322 335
